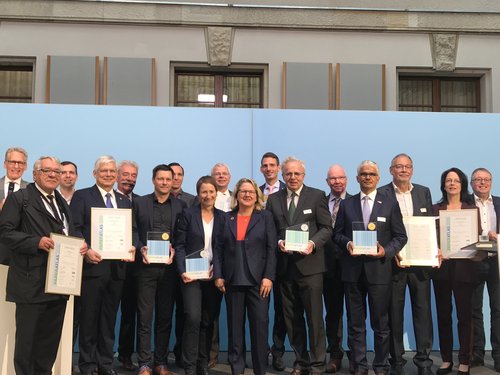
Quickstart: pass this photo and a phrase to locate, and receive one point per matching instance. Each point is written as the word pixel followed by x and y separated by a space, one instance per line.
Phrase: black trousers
pixel 202 304
pixel 156 286
pixel 99 304
pixel 179 322
pixel 420 296
pixel 333 295
pixel 279 327
pixel 239 301
pixel 128 307
pixel 38 332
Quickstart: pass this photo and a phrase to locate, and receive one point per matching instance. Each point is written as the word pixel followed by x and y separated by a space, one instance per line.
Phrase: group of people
pixel 242 234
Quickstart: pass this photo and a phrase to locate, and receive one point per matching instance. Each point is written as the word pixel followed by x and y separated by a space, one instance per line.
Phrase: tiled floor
pixel 223 368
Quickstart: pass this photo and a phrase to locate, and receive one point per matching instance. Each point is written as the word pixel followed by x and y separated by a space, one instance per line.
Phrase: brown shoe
pixel 145 370
pixel 334 365
pixel 298 371
pixel 212 363
pixel 162 370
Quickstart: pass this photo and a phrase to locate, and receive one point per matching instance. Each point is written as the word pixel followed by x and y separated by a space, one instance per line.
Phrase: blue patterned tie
pixel 109 204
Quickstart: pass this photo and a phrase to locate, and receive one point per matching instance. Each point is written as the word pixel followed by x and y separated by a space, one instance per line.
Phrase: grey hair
pixel 14 149
pixel 367 162
pixel 292 159
pixel 37 163
pixel 220 165
pixel 103 160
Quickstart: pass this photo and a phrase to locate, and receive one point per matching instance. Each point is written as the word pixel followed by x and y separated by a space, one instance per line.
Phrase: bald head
pixel 336 180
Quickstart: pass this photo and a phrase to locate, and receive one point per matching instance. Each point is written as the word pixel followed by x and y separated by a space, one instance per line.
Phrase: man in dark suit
pixel 270 167
pixel 26 222
pixel 333 287
pixel 128 171
pixel 156 283
pixel 177 190
pixel 489 208
pixel 302 272
pixel 414 200
pixel 369 275
pixel 15 163
pixel 102 281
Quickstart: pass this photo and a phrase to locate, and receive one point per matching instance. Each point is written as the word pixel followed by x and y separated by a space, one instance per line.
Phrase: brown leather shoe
pixel 334 365
pixel 162 370
pixel 145 370
pixel 298 371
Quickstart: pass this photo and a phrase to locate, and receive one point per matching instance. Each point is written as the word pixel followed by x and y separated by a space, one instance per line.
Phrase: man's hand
pixel 309 249
pixel 84 248
pixel 265 287
pixel 171 257
pixel 350 249
pixel 491 235
pixel 144 253
pixel 185 278
pixel 219 284
pixel 380 252
pixel 281 246
pixel 92 256
pixel 398 260
pixel 45 244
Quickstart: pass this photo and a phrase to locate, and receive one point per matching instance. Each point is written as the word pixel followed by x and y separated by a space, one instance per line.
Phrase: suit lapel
pixel 232 216
pixel 377 204
pixel 253 220
pixel 198 221
pixel 96 195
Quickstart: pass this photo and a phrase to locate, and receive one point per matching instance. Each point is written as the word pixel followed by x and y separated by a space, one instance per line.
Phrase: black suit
pixel 243 264
pixel 39 316
pixel 156 283
pixel 418 281
pixel 302 275
pixel 488 269
pixel 279 327
pixel 101 288
pixel 202 298
pixel 333 295
pixel 365 275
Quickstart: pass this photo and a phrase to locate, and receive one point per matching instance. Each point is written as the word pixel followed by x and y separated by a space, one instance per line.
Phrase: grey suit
pixel 2 183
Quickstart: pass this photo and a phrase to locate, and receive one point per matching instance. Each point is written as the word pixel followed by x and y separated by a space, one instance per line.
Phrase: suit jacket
pixel 2 183
pixel 143 223
pixel 259 247
pixel 263 186
pixel 81 203
pixel 189 199
pixel 484 266
pixel 23 221
pixel 422 206
pixel 312 208
pixel 190 235
pixel 391 234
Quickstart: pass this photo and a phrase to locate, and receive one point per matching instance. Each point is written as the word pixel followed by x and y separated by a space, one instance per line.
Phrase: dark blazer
pixel 143 214
pixel 422 206
pixel 81 203
pixel 259 247
pixel 23 221
pixel 312 208
pixel 190 236
pixel 189 199
pixel 282 186
pixel 391 234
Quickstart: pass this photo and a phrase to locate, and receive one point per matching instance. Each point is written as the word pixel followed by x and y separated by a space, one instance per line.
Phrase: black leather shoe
pixel 126 363
pixel 107 372
pixel 497 366
pixel 476 361
pixel 397 369
pixel 278 364
pixel 445 370
pixel 463 372
pixel 425 371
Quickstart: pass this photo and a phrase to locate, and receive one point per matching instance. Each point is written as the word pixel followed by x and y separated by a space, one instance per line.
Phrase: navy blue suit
pixel 101 288
pixel 256 257
pixel 365 275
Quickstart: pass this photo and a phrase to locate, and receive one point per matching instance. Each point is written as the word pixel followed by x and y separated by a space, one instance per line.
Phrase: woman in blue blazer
pixel 196 233
pixel 244 269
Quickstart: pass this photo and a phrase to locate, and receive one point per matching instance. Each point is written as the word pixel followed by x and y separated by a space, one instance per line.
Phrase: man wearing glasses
pixel 414 200
pixel 369 275
pixel 301 272
pixel 489 209
pixel 15 165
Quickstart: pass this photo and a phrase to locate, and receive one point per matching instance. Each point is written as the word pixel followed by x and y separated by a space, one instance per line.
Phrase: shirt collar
pixel 297 192
pixel 396 189
pixel 477 199
pixel 342 196
pixel 18 181
pixel 372 195
pixel 104 192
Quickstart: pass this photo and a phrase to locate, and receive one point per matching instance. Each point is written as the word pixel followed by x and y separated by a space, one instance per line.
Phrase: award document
pixel 198 265
pixel 422 247
pixel 158 247
pixel 111 232
pixel 297 237
pixel 457 229
pixel 64 266
pixel 364 240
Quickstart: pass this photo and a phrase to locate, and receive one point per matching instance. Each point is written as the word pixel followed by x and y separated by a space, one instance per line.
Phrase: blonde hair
pixel 259 203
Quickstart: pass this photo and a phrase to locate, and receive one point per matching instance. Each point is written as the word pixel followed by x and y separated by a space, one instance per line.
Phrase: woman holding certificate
pixel 455 276
pixel 244 269
pixel 196 233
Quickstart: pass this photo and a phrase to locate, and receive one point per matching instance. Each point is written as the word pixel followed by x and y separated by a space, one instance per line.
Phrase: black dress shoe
pixel 126 363
pixel 397 369
pixel 445 370
pixel 425 371
pixel 278 364
pixel 107 372
pixel 497 366
pixel 334 365
pixel 463 372
pixel 476 361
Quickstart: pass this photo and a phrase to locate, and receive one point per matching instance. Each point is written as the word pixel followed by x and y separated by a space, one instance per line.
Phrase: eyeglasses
pixel 48 171
pixel 481 180
pixel 107 171
pixel 452 181
pixel 293 174
pixel 16 162
pixel 366 175
pixel 402 166
pixel 247 192
pixel 337 178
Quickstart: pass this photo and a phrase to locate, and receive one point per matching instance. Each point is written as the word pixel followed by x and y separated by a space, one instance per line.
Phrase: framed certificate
pixel 457 229
pixel 422 247
pixel 198 265
pixel 297 237
pixel 364 240
pixel 64 266
pixel 111 232
pixel 158 247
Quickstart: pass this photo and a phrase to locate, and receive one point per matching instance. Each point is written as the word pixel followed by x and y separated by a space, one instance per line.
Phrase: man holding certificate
pixel 157 279
pixel 369 275
pixel 414 200
pixel 300 208
pixel 26 222
pixel 102 278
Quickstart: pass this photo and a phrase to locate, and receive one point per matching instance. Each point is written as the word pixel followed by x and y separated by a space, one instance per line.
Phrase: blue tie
pixel 109 204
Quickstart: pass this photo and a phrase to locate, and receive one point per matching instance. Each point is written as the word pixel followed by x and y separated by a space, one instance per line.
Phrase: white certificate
pixel 111 233
pixel 457 229
pixel 422 247
pixel 64 266
pixel 297 237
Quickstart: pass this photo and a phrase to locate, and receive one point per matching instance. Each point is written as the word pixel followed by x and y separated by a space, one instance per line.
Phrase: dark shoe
pixel 380 373
pixel 202 371
pixel 107 372
pixel 145 370
pixel 212 363
pixel 334 365
pixel 298 371
pixel 351 367
pixel 126 363
pixel 278 364
pixel 444 371
pixel 463 372
pixel 162 370
pixel 315 373
pixel 425 371
pixel 360 373
pixel 178 361
pixel 397 369
pixel 497 366
pixel 476 362
pixel 88 373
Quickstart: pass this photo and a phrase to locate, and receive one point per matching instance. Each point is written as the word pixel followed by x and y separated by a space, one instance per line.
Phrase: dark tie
pixel 366 210
pixel 291 207
pixel 12 185
pixel 53 207
pixel 109 204
pixel 335 210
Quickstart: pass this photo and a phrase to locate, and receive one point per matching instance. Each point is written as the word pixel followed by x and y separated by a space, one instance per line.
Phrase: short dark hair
pixel 175 164
pixel 205 180
pixel 162 167
pixel 67 162
pixel 270 155
pixel 464 189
